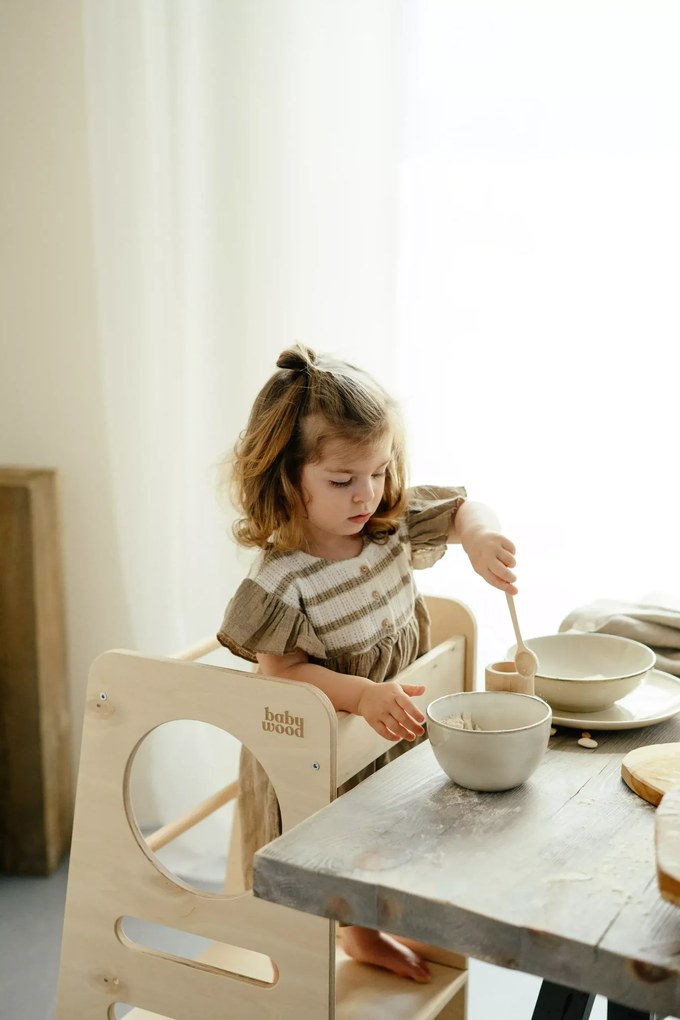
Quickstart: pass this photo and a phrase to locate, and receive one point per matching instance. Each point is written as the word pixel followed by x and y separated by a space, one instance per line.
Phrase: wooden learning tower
pixel 263 960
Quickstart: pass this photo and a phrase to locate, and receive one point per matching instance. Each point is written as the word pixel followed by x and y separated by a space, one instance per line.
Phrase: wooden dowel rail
pixel 197 651
pixel 161 837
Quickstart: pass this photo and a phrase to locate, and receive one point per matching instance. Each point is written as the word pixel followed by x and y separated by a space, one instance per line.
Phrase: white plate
pixel 657 698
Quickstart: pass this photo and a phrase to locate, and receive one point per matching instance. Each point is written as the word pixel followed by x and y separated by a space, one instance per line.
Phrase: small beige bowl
pixel 503 676
pixel 587 672
pixel 503 753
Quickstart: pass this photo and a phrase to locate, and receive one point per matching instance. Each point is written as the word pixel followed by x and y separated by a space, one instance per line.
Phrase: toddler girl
pixel 319 474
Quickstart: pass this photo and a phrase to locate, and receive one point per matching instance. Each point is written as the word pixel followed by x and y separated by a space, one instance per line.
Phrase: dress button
pixel 386 624
pixel 376 595
pixel 364 569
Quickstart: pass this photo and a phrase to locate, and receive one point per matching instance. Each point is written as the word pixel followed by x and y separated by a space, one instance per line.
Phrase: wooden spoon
pixel 526 661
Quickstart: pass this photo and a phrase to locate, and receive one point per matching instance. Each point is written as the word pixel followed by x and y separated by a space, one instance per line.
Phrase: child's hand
pixel 388 708
pixel 492 555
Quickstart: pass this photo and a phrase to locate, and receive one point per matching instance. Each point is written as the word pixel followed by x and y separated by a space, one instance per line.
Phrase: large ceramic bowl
pixel 587 672
pixel 512 738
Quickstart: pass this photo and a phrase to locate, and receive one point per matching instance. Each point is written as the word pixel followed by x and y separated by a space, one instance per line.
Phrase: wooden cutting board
pixel 652 771
pixel 654 774
pixel 667 838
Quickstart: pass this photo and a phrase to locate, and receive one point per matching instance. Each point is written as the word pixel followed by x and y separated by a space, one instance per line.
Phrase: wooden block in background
pixel 35 780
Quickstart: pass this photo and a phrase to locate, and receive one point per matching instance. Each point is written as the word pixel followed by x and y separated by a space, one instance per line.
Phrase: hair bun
pixel 297 358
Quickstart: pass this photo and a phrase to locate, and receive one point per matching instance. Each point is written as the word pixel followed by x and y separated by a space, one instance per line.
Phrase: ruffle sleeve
pixel 429 512
pixel 256 621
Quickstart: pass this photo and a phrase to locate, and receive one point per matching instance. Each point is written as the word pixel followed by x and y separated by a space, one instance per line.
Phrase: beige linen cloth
pixel 654 621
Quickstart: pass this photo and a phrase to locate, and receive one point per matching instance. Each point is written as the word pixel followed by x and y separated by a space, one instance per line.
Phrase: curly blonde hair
pixel 310 401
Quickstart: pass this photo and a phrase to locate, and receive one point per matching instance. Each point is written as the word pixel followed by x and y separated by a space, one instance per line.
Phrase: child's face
pixel 343 489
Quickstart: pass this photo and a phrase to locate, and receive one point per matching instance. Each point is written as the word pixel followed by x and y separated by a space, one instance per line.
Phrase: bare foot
pixel 369 946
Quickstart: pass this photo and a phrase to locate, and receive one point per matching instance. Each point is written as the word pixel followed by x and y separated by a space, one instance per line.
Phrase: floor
pixel 31 911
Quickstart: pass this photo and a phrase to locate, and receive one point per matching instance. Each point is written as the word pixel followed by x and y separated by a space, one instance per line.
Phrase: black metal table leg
pixel 617 1012
pixel 556 1002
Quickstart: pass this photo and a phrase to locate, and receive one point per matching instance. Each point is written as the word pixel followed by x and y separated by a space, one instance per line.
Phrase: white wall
pixel 50 381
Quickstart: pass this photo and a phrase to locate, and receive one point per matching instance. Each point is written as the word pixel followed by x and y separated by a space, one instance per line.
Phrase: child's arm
pixel 387 707
pixel 491 554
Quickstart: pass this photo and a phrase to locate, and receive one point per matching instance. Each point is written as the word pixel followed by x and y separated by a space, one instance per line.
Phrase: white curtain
pixel 476 201
pixel 539 265
pixel 246 193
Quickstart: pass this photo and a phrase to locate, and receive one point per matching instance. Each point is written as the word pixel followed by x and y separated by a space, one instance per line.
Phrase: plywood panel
pixel 114 874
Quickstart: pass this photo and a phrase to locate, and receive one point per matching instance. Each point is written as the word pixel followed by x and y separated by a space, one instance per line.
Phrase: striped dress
pixel 362 616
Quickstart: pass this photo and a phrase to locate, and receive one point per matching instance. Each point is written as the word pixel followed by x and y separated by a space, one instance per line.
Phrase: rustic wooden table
pixel 555 878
